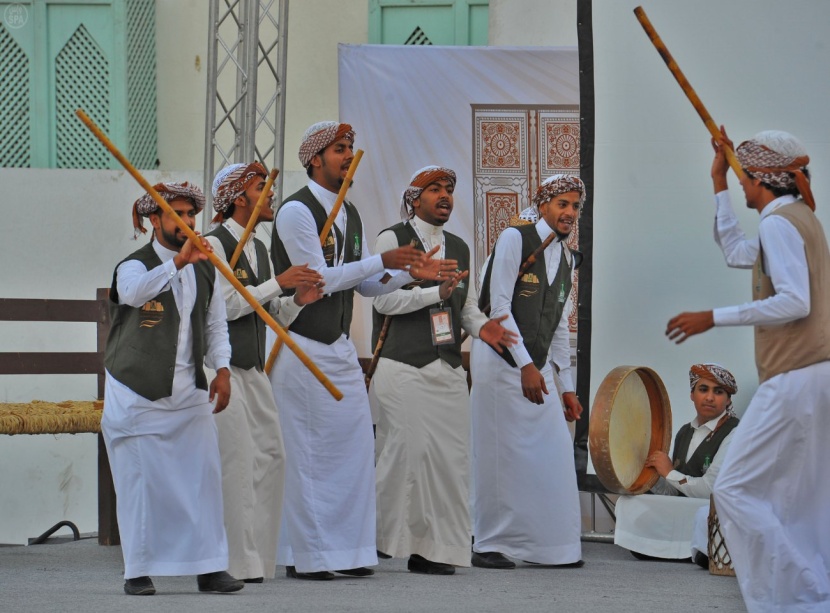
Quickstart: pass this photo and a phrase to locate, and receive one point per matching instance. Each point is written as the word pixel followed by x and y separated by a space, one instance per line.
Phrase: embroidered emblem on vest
pixel 562 293
pixel 240 274
pixel 529 284
pixel 151 314
pixel 328 248
pixel 357 250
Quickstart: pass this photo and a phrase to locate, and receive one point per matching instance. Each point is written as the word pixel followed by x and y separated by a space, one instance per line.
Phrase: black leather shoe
pixel 254 580
pixel 577 564
pixel 321 575
pixel 491 559
pixel 219 581
pixel 360 571
pixel 702 560
pixel 140 586
pixel 383 556
pixel 422 566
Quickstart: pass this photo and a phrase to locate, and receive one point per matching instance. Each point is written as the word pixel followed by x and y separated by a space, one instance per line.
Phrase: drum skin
pixel 630 419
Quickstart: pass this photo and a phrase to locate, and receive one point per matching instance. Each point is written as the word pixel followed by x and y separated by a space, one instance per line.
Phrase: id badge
pixel 441 320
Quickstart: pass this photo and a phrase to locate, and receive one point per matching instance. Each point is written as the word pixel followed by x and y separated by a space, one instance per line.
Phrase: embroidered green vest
pixel 325 320
pixel 141 346
pixel 246 333
pixel 696 465
pixel 409 337
pixel 537 305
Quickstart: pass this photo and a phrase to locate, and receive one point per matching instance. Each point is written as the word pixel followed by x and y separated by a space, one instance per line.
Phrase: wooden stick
pixel 687 89
pixel 384 331
pixel 341 196
pixel 370 371
pixel 249 227
pixel 221 266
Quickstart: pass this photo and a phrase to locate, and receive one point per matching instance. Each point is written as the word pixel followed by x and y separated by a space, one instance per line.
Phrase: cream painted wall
pixel 553 23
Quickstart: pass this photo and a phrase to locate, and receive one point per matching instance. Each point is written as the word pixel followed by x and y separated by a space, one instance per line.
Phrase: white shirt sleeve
pixel 560 348
pixel 701 487
pixel 402 301
pixel 738 251
pixel 506 262
pixel 786 262
pixel 136 285
pixel 218 348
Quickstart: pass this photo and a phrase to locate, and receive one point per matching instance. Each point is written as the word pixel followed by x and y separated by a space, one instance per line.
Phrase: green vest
pixel 409 337
pixel 246 333
pixel 325 320
pixel 696 465
pixel 141 346
pixel 537 305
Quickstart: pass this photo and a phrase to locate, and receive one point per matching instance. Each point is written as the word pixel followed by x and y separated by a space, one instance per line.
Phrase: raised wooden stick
pixel 687 89
pixel 370 370
pixel 249 227
pixel 341 196
pixel 221 266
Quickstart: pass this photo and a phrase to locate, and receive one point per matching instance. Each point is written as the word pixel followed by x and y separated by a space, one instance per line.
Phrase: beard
pixel 171 238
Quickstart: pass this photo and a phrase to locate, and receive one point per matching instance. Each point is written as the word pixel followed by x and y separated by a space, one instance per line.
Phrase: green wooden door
pixel 428 22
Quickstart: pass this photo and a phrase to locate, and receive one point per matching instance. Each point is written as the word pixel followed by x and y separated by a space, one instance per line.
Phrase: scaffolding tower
pixel 246 66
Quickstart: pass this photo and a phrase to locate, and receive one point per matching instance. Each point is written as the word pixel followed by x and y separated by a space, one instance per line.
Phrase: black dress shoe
pixel 139 586
pixel 254 580
pixel 702 560
pixel 422 566
pixel 383 556
pixel 360 571
pixel 320 575
pixel 491 559
pixel 219 581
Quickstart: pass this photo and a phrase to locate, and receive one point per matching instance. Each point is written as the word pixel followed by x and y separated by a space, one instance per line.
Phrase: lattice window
pixel 418 37
pixel 81 81
pixel 141 83
pixel 15 135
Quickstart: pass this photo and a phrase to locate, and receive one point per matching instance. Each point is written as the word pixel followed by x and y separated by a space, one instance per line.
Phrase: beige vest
pixel 785 347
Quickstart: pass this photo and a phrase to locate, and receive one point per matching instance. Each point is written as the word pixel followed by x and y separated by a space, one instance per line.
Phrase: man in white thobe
pixel 526 498
pixel 329 510
pixel 663 526
pixel 420 390
pixel 168 319
pixel 771 497
pixel 250 437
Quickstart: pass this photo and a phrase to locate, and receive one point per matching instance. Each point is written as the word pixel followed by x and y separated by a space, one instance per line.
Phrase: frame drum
pixel 630 419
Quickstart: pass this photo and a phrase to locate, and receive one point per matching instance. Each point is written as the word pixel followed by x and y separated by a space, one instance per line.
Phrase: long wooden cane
pixel 384 331
pixel 341 196
pixel 221 266
pixel 249 227
pixel 687 89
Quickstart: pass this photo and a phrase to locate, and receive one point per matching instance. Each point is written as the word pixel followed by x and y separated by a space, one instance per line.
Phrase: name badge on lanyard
pixel 441 324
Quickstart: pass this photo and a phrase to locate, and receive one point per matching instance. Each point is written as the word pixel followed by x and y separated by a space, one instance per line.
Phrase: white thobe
pixel 663 526
pixel 164 454
pixel 250 437
pixel 423 425
pixel 771 497
pixel 329 509
pixel 526 497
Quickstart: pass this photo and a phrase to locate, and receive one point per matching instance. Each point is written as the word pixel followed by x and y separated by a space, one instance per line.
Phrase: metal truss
pixel 246 67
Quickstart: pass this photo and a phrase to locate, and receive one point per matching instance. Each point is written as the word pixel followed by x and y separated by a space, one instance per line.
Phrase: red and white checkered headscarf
pixel 777 158
pixel 145 205
pixel 558 184
pixel 321 135
pixel 420 180
pixel 231 182
pixel 716 373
